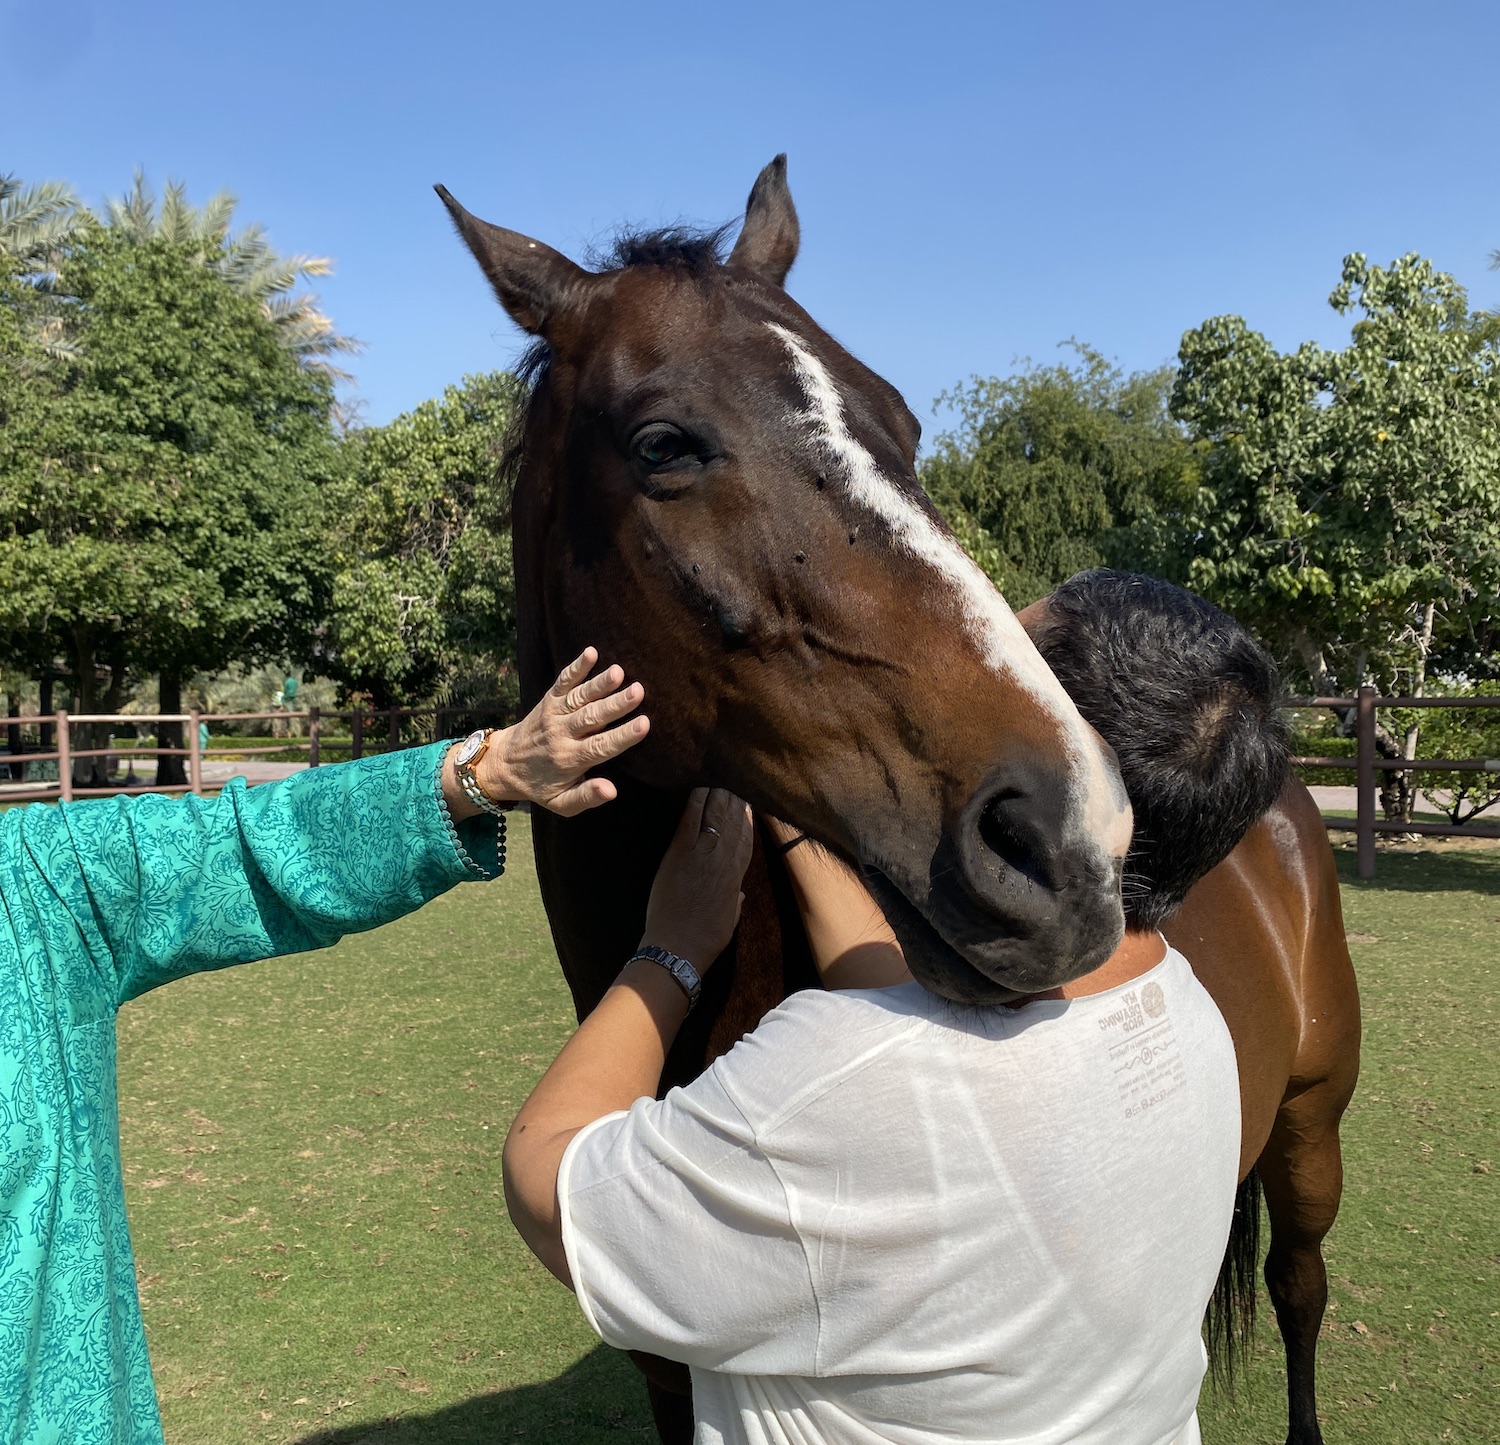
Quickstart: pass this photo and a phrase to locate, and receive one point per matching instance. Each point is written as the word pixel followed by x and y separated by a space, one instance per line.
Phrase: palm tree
pixel 245 259
pixel 38 222
pixel 1485 325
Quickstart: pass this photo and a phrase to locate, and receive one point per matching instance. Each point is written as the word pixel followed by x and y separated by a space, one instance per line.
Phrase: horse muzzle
pixel 1018 897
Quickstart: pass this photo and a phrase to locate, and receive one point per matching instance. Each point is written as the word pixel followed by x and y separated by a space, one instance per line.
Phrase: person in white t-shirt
pixel 886 1217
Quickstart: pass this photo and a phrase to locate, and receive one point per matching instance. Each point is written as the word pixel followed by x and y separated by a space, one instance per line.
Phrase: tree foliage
pixel 424 596
pixel 25 399
pixel 1349 501
pixel 36 223
pixel 1060 468
pixel 42 222
pixel 160 505
pixel 36 220
pixel 245 259
pixel 1462 733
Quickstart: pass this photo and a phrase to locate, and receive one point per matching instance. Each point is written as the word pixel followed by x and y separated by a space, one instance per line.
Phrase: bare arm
pixel 615 1058
pixel 617 1055
pixel 852 944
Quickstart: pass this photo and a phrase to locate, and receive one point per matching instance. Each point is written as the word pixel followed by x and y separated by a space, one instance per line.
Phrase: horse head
pixel 724 501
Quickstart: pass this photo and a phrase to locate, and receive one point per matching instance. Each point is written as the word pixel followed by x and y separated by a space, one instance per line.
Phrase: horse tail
pixel 1230 1321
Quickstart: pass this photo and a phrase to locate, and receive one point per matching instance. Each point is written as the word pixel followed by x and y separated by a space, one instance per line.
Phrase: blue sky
pixel 976 182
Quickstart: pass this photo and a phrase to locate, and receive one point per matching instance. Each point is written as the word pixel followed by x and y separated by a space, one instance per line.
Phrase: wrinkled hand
pixel 695 901
pixel 543 758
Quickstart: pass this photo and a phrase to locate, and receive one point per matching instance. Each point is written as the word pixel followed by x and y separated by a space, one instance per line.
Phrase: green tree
pixel 36 222
pixel 26 396
pixel 424 595
pixel 40 223
pixel 164 512
pixel 1462 733
pixel 1060 468
pixel 1349 500
pixel 245 259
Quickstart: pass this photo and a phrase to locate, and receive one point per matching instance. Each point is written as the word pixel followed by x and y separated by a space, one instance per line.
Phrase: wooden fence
pixel 1367 769
pixel 392 728
pixel 56 738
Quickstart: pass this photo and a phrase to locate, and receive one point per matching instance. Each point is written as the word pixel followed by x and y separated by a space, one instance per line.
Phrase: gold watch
pixel 469 752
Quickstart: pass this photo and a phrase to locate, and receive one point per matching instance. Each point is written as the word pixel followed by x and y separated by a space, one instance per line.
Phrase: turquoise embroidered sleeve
pixel 161 887
pixel 100 901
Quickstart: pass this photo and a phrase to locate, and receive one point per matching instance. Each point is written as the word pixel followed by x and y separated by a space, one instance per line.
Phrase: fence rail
pixel 56 735
pixel 1367 769
pixel 393 728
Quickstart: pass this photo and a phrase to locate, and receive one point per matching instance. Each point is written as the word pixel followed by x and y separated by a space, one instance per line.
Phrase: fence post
pixel 1364 780
pixel 357 733
pixel 64 758
pixel 195 754
pixel 314 735
pixel 395 743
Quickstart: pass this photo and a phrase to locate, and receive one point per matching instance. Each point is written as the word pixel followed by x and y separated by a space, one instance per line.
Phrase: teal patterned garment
pixel 101 901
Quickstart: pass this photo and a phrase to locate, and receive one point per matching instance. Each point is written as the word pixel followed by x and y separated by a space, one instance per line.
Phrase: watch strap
pixel 686 975
pixel 464 772
pixel 474 793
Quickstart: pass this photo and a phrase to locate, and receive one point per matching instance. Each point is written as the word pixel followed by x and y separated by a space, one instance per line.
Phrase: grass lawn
pixel 312 1157
pixel 1411 1344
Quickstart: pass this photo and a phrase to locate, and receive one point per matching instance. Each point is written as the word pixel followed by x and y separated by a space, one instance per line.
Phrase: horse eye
pixel 660 445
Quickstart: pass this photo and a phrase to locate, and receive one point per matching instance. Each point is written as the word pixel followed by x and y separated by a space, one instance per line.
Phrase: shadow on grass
pixel 1469 871
pixel 602 1398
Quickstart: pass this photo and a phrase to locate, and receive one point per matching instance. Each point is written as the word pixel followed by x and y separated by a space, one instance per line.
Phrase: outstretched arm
pixel 143 890
pixel 852 944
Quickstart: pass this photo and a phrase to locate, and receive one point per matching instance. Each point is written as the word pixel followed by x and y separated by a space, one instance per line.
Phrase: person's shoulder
pixel 1167 992
pixel 853 1011
pixel 1173 986
pixel 813 1041
pixel 1176 971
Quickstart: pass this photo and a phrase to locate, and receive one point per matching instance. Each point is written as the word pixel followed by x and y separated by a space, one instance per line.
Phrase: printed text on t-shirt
pixel 1142 1049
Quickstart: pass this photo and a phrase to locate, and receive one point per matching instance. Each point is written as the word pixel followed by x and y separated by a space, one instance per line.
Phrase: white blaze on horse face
pixel 1002 642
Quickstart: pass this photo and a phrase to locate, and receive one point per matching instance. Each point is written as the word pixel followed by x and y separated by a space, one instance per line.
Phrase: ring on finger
pixel 712 832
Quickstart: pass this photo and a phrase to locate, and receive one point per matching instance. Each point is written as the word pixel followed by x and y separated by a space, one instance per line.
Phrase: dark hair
pixel 1190 703
pixel 688 249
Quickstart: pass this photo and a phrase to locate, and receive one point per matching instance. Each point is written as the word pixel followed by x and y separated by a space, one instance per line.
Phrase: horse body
pixel 1264 932
pixel 596 871
pixel 723 501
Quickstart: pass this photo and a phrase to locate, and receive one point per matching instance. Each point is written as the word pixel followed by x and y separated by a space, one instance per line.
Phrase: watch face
pixel 470 747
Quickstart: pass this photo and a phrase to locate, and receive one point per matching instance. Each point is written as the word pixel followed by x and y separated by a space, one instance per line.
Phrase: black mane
pixel 678 248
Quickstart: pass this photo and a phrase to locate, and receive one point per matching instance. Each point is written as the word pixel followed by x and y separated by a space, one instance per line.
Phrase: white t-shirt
pixel 885 1217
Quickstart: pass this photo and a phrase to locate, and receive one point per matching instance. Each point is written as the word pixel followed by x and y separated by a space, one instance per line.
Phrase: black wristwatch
pixel 680 969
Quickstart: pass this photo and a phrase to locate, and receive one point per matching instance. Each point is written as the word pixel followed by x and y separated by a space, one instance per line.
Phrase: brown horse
pixel 721 499
pixel 1264 931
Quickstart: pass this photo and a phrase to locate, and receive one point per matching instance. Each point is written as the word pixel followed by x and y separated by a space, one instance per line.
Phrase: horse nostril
pixel 1003 836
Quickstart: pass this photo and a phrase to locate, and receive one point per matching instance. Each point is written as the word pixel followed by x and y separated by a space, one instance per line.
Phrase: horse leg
pixel 672 1414
pixel 1302 1172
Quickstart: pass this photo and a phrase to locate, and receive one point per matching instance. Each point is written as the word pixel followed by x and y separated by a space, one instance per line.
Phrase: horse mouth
pixel 934 962
pixel 972 956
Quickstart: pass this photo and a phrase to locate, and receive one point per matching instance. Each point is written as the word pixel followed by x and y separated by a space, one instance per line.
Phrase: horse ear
pixel 769 238
pixel 534 282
